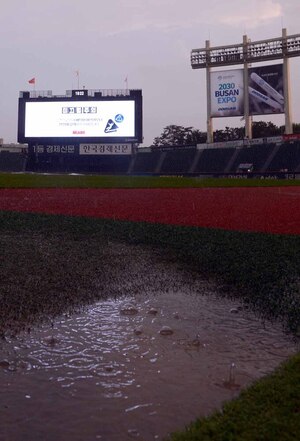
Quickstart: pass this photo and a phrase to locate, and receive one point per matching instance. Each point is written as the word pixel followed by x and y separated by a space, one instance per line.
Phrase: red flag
pixel 32 81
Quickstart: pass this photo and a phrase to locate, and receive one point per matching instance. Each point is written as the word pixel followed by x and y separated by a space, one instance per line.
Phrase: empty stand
pixel 146 162
pixel 263 158
pixel 287 158
pixel 109 164
pixel 178 161
pixel 256 155
pixel 214 160
pixel 12 162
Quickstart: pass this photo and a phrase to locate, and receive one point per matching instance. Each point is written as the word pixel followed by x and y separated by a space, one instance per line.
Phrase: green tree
pixel 195 137
pixel 174 135
pixel 296 127
pixel 262 129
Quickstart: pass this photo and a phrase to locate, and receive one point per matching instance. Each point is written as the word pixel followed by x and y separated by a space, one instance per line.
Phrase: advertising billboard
pixel 227 93
pixel 82 120
pixel 266 90
pixel 105 149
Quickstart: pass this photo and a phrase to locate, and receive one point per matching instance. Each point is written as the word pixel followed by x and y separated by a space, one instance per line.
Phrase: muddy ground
pixel 44 274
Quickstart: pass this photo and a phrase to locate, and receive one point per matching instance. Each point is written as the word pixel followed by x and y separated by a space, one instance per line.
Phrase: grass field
pixel 267 411
pixel 39 254
pixel 28 180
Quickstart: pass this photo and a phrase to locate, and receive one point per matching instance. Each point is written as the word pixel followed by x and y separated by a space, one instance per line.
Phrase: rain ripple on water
pixel 123 372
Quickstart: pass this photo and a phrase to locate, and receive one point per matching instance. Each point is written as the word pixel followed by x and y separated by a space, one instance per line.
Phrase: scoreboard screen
pixel 86 119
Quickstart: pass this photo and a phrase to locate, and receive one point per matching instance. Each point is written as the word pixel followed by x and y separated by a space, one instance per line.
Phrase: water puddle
pixel 135 368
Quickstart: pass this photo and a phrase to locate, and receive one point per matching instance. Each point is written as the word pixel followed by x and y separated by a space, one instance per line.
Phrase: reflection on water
pixel 138 367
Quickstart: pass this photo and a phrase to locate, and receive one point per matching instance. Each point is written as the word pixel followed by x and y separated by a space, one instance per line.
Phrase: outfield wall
pixel 277 159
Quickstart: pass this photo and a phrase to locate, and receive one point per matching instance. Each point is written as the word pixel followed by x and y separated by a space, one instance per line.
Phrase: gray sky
pixel 148 41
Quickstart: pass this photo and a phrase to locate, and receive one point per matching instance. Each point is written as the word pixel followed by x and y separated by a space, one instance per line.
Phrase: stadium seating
pixel 106 164
pixel 256 155
pixel 12 162
pixel 146 162
pixel 287 158
pixel 263 158
pixel 214 160
pixel 83 164
pixel 178 161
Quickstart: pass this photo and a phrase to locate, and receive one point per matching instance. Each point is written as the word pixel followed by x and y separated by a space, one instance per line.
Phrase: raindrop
pixel 232 374
pixel 12 368
pixel 109 368
pixel 51 341
pixel 234 311
pixel 133 433
pixel 24 365
pixel 166 330
pixel 4 364
pixel 138 330
pixel 128 309
pixel 196 342
pixel 153 311
pixel 231 384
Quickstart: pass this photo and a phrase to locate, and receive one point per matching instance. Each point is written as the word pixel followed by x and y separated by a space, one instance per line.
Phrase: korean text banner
pixel 266 90
pixel 227 93
pixel 80 119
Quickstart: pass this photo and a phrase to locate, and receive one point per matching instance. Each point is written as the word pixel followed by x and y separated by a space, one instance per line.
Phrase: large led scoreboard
pixel 80 117
pixel 83 131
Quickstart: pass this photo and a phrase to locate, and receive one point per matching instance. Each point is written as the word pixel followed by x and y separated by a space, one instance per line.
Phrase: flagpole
pixel 32 82
pixel 77 75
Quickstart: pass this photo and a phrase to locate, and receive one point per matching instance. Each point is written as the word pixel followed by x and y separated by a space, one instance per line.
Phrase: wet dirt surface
pixel 138 367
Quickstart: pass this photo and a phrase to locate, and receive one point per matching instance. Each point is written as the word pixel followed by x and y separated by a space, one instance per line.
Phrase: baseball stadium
pixel 153 292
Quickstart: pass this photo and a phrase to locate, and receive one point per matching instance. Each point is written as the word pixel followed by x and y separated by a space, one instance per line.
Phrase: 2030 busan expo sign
pixel 227 93
pixel 265 91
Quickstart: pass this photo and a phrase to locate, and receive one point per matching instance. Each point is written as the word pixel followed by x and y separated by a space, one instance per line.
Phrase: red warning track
pixel 264 209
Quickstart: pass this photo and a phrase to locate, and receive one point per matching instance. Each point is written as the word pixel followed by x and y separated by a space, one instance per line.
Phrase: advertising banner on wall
pixel 227 93
pixel 266 90
pixel 105 149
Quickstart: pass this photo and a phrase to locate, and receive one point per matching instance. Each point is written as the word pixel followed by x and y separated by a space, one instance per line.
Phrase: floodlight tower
pixel 247 53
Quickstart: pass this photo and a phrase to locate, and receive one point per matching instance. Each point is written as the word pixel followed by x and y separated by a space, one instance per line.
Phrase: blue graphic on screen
pixel 111 126
pixel 119 118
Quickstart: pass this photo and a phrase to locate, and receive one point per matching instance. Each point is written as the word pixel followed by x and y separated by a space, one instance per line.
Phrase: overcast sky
pixel 147 41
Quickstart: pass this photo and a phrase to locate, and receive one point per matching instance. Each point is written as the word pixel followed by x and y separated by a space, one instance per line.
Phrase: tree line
pixel 178 135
